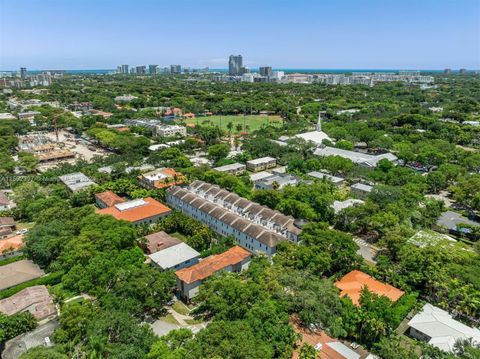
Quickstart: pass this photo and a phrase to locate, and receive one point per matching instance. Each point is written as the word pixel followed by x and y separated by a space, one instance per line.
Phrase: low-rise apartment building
pixel 255 227
pixel 261 164
pixel 161 178
pixel 361 190
pixel 235 169
pixel 189 279
pixel 277 181
pixel 170 130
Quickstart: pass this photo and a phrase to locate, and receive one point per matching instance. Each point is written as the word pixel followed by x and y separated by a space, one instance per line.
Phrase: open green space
pixel 249 123
pixel 180 308
pixel 169 319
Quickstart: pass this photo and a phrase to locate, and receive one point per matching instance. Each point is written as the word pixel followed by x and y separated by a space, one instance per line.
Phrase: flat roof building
pixel 176 257
pixel 76 181
pixel 235 169
pixel 337 181
pixel 170 130
pixel 352 283
pixel 361 190
pixel 276 181
pixel 260 164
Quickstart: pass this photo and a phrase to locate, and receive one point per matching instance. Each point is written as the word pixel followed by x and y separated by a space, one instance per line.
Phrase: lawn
pixel 180 308
pixel 179 236
pixel 169 319
pixel 254 122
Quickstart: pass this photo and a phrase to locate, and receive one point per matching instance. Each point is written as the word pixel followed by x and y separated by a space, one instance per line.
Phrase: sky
pixel 322 34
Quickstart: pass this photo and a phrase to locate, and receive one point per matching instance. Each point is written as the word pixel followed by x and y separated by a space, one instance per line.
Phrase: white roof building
pixel 7 116
pixel 76 181
pixel 254 177
pixel 320 175
pixel 316 137
pixel 438 328
pixel 175 256
pixel 356 157
pixel 340 205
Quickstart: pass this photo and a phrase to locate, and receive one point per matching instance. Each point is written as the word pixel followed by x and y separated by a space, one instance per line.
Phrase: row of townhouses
pixel 255 227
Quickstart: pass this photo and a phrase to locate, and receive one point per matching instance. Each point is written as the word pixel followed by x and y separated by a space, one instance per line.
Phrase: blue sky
pixel 370 34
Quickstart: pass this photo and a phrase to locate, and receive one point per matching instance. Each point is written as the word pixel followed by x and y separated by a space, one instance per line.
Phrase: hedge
pixel 49 279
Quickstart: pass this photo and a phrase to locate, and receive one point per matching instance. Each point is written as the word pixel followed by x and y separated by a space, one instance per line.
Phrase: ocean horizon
pixel 224 70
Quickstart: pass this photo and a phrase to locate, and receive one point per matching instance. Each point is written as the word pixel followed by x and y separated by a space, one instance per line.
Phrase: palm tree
pixel 230 127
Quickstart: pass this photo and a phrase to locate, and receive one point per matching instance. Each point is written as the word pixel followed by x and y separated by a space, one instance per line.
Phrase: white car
pixel 22 231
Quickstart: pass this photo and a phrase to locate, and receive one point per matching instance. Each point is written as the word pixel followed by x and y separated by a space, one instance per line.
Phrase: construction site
pixel 52 148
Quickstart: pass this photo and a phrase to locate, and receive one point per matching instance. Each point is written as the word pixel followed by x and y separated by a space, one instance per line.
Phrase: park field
pixel 248 122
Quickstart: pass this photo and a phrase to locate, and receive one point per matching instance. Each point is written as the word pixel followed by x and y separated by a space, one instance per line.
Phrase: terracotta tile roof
pixel 328 348
pixel 172 178
pixel 35 299
pixel 159 241
pixel 150 208
pixel 212 264
pixel 109 198
pixel 12 243
pixel 352 283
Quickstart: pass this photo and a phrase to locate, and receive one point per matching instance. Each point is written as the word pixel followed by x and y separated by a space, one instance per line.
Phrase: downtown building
pixel 235 65
pixel 255 227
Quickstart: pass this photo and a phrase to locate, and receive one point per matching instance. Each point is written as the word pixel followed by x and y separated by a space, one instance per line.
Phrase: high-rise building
pixel 140 70
pixel 152 69
pixel 23 72
pixel 447 71
pixel 462 71
pixel 235 65
pixel 124 69
pixel 175 69
pixel 266 71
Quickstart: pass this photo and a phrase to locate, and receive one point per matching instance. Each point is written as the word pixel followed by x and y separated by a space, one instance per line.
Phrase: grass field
pixel 254 122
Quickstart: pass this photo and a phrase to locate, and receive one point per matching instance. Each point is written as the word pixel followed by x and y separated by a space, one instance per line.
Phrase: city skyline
pixel 372 34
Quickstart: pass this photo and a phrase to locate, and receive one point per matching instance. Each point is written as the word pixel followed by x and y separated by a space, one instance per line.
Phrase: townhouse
pixel 255 227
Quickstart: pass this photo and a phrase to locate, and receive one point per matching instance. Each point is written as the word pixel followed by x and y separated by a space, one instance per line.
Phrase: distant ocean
pixel 288 70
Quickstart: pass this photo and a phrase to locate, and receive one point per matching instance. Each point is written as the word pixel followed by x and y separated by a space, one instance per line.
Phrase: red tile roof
pixel 109 198
pixel 12 243
pixel 352 284
pixel 313 338
pixel 150 209
pixel 212 264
